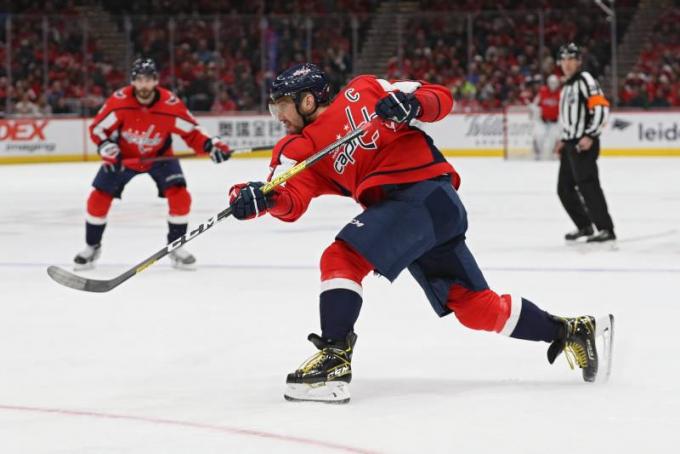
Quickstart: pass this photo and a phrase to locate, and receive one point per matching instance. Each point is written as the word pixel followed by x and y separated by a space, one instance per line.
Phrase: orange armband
pixel 597 100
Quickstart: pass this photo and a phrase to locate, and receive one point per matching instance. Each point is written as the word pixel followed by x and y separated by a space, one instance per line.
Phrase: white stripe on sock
pixel 343 283
pixel 173 219
pixel 94 220
pixel 515 310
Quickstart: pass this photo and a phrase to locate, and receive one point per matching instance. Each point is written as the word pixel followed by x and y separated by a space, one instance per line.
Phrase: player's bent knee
pixel 98 204
pixel 179 200
pixel 481 310
pixel 340 261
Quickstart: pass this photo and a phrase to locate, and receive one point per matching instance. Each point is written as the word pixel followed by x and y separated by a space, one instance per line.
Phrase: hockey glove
pixel 110 154
pixel 398 107
pixel 247 200
pixel 219 151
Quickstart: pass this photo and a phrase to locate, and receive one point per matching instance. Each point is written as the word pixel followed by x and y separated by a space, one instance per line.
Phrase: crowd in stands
pixel 506 64
pixel 220 56
pixel 655 79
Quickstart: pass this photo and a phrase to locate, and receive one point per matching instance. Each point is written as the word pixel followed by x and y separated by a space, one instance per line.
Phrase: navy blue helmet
pixel 305 77
pixel 143 67
pixel 570 50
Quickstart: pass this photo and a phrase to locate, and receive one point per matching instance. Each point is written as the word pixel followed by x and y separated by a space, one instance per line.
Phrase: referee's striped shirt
pixel 583 107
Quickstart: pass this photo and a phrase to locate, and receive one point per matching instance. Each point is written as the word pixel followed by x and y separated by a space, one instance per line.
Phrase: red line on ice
pixel 195 425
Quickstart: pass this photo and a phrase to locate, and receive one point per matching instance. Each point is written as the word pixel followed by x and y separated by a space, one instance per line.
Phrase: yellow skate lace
pixel 576 353
pixel 312 362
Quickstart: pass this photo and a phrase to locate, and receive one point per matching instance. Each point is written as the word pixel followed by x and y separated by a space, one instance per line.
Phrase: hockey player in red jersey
pixel 138 122
pixel 412 218
pixel 547 105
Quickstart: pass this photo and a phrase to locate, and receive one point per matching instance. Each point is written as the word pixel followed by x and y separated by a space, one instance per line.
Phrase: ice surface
pixel 195 362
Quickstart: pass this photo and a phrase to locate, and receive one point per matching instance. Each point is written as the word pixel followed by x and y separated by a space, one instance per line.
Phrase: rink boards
pixel 628 133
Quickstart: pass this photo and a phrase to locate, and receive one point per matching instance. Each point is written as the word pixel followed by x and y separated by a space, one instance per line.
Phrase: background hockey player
pixel 138 122
pixel 547 127
pixel 413 218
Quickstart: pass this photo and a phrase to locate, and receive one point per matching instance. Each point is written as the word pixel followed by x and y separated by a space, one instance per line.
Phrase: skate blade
pixel 604 337
pixel 585 247
pixel 576 243
pixel 183 266
pixel 610 245
pixel 330 392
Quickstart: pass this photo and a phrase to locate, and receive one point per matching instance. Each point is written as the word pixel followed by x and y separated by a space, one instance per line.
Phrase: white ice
pixel 194 362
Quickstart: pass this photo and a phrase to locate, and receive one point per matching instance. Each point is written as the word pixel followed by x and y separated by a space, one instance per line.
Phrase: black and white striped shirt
pixel 583 107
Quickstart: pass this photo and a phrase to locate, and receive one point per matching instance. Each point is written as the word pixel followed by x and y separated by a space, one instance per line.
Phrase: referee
pixel 583 113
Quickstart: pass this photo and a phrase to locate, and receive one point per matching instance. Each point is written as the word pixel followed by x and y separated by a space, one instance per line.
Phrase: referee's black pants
pixel 579 175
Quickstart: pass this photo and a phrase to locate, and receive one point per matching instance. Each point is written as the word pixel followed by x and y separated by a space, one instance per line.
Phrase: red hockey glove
pixel 219 151
pixel 247 200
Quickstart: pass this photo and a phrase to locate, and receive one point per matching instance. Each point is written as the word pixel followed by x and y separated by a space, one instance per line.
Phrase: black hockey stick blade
pixel 68 279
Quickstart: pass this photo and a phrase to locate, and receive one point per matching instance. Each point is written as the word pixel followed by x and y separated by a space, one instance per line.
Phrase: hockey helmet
pixel 143 67
pixel 570 50
pixel 305 77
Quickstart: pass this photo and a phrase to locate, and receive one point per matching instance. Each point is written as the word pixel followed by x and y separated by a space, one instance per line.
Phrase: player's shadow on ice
pixel 403 388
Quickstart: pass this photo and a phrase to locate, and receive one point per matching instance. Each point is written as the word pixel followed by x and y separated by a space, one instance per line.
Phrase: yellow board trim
pixel 640 152
pixel 450 152
pixel 473 152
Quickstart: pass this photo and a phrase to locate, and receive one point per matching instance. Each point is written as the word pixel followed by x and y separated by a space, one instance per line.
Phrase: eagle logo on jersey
pixel 146 141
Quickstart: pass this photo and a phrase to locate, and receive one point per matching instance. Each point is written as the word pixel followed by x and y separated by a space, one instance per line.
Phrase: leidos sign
pixel 662 132
pixel 652 132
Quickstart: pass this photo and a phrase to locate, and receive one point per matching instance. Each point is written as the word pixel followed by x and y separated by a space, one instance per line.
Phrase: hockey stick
pixel 236 151
pixel 76 282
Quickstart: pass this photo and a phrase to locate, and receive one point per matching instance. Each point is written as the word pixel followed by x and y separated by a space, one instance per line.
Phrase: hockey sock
pixel 179 204
pixel 175 231
pixel 98 205
pixel 535 324
pixel 94 233
pixel 339 309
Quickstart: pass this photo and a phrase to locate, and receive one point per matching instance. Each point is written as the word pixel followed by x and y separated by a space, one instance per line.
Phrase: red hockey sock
pixel 179 204
pixel 98 205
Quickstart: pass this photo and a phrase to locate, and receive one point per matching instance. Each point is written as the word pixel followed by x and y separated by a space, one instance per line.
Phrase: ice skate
pixel 182 259
pixel 86 258
pixel 578 234
pixel 324 377
pixel 579 342
pixel 604 239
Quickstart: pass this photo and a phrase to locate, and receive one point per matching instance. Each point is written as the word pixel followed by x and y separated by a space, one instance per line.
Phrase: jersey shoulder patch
pixel 121 98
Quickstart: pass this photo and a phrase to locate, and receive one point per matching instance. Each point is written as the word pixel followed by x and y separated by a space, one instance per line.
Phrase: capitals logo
pixel 346 156
pixel 145 140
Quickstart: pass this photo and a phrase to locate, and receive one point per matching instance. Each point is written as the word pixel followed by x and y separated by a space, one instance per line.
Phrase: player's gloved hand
pixel 219 151
pixel 247 200
pixel 398 107
pixel 110 154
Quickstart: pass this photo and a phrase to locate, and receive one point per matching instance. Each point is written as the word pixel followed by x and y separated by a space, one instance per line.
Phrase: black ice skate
pixel 87 257
pixel 324 377
pixel 602 236
pixel 579 233
pixel 578 341
pixel 182 259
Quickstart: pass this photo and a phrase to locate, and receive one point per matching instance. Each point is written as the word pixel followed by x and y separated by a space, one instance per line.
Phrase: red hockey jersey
pixel 146 130
pixel 386 154
pixel 549 102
